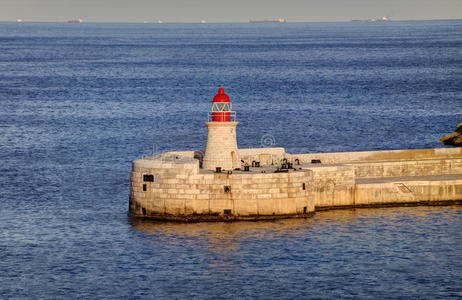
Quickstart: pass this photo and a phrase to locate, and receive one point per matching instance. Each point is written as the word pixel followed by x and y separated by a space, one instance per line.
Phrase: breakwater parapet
pixel 172 186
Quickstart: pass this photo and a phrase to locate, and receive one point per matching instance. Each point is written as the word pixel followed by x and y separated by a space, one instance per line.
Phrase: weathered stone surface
pixel 455 138
pixel 182 191
pixel 221 150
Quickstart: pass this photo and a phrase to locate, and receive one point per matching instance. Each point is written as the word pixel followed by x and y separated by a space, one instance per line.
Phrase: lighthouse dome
pixel 221 96
pixel 221 107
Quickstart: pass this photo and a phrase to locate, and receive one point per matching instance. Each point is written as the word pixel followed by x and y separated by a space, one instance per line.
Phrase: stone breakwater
pixel 172 186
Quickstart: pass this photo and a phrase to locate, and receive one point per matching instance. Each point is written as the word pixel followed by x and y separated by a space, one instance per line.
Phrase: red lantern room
pixel 221 108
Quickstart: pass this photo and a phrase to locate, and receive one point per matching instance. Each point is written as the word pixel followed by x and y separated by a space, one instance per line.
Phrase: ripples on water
pixel 80 101
pixel 354 254
pixel 364 253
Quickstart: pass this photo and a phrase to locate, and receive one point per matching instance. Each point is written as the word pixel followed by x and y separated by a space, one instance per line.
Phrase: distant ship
pixel 268 21
pixel 75 21
pixel 18 20
pixel 203 21
pixel 382 19
pixel 160 21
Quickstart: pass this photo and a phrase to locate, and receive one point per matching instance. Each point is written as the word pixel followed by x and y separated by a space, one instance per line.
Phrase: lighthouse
pixel 221 150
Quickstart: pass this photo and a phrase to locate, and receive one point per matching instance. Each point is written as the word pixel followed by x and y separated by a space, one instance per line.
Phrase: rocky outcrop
pixel 455 138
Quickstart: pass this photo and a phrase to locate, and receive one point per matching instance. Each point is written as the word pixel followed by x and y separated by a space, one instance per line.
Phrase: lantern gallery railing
pixel 221 116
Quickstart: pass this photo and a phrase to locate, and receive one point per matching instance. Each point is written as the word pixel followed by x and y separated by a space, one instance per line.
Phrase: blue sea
pixel 79 102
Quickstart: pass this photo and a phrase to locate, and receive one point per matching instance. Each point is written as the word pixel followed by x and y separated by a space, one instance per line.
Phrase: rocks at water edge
pixel 455 138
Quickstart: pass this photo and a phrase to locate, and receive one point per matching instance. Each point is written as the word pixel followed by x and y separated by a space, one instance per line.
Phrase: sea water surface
pixel 79 102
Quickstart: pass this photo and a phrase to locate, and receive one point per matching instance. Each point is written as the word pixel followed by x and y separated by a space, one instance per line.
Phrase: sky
pixel 226 10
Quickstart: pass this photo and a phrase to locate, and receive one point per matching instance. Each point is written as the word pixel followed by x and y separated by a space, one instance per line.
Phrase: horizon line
pixel 226 22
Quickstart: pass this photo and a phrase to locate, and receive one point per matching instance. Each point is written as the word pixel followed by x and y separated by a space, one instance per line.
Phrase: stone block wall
pixel 386 155
pixel 410 191
pixel 333 185
pixel 180 190
pixel 169 177
pixel 427 167
pixel 383 193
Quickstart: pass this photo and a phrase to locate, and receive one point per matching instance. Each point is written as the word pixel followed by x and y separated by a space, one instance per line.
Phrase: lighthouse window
pixel 221 107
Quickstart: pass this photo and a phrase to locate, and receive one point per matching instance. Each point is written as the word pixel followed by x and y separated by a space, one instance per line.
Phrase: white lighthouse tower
pixel 221 150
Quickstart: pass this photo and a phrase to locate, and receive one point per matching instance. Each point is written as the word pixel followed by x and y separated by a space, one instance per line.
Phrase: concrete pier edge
pixel 181 191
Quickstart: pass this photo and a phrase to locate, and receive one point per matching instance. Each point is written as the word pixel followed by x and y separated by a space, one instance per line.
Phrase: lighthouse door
pixel 233 159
